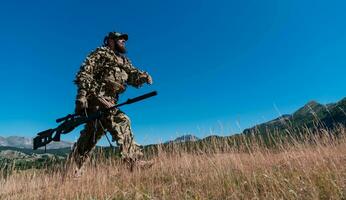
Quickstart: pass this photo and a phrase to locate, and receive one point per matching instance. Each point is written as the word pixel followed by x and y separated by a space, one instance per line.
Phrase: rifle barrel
pixel 139 98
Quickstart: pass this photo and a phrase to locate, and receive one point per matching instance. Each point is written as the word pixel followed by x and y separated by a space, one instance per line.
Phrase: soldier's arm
pixel 136 77
pixel 85 79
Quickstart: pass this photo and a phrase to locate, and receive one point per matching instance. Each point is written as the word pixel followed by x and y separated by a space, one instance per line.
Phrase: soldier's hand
pixel 149 79
pixel 81 106
pixel 146 78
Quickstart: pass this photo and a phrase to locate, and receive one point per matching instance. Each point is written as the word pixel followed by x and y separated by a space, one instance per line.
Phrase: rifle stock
pixel 43 138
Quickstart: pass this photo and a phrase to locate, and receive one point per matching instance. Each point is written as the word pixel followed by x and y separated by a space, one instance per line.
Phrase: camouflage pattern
pixel 102 77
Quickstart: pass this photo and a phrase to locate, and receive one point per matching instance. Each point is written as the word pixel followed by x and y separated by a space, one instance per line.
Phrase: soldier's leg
pixel 119 125
pixel 86 142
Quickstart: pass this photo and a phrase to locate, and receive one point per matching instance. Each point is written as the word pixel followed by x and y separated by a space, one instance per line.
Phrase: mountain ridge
pixel 312 114
pixel 26 143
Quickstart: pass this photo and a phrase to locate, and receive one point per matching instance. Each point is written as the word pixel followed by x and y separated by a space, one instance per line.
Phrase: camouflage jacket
pixel 105 73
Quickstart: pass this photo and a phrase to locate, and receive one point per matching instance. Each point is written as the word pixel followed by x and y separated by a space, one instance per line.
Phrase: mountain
pixel 186 138
pixel 15 141
pixel 23 142
pixel 311 115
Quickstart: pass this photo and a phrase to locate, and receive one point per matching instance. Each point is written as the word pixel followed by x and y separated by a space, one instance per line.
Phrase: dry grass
pixel 296 170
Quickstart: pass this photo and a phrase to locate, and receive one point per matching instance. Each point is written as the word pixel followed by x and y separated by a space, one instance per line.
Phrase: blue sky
pixel 218 66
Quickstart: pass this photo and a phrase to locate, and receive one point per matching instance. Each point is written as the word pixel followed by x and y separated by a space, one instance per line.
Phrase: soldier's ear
pixel 111 41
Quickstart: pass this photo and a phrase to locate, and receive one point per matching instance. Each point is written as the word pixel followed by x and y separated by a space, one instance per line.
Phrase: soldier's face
pixel 120 45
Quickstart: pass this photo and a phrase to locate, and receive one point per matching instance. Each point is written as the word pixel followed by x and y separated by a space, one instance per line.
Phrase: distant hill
pixel 186 138
pixel 23 142
pixel 59 152
pixel 311 115
pixel 18 151
pixel 23 158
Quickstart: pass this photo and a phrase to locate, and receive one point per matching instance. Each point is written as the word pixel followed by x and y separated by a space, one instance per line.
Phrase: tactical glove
pixel 149 79
pixel 146 78
pixel 81 106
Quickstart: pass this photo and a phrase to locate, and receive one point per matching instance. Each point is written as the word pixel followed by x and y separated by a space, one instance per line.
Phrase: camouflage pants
pixel 118 125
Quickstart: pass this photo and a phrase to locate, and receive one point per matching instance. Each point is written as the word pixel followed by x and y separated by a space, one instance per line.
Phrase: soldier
pixel 103 76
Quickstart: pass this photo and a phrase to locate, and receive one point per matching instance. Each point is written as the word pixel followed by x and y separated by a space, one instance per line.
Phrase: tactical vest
pixel 109 73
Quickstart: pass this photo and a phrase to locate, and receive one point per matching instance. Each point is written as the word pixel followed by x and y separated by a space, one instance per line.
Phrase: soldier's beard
pixel 120 49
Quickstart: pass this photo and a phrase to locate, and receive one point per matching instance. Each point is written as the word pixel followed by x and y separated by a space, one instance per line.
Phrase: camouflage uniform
pixel 102 77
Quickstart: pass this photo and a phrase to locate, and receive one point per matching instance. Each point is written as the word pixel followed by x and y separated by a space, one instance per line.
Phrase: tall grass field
pixel 311 167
